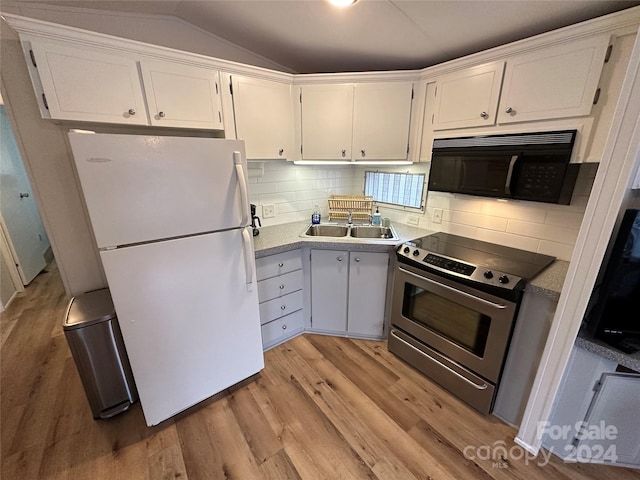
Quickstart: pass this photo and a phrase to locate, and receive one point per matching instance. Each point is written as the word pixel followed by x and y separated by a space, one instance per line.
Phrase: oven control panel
pixel 410 253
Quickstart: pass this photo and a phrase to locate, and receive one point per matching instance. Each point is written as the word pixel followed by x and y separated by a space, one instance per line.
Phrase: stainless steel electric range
pixel 454 305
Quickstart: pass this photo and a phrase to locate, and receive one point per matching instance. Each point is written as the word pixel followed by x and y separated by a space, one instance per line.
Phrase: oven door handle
pixel 459 292
pixel 484 386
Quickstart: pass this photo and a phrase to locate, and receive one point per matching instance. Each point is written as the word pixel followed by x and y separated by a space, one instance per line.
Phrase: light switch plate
pixel 269 211
pixel 437 215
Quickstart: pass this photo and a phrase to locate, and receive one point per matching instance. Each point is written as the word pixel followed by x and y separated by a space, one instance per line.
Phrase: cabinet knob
pixel 283 307
pixel 357 259
pixel 281 152
pixel 132 111
pixel 484 115
pixel 344 153
pixel 24 195
pixel 510 110
pixel 339 259
pixel 363 153
pixel 161 114
pixel 281 287
pixel 284 327
pixel 281 265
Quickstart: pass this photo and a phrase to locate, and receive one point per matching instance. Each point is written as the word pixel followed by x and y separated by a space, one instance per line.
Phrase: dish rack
pixel 360 207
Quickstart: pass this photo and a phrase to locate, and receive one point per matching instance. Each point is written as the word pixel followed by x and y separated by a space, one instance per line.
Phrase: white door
pixel 28 240
pixel 367 292
pixel 264 117
pixel 182 96
pixel 190 323
pixel 327 122
pixel 381 117
pixel 329 290
pixel 141 188
pixel 85 84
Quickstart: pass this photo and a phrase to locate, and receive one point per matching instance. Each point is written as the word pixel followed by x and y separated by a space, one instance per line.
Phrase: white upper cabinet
pixel 89 85
pixel 356 122
pixel 553 82
pixel 263 111
pixel 468 98
pixel 182 96
pixel 381 117
pixel 327 122
pixel 86 84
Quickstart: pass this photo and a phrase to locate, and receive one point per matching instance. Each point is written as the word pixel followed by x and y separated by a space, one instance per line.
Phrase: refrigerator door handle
pixel 247 243
pixel 242 181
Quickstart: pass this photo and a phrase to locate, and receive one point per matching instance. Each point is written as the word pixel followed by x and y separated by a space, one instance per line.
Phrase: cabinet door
pixel 381 118
pixel 264 117
pixel 89 85
pixel 367 292
pixel 612 433
pixel 468 98
pixel 553 82
pixel 327 121
pixel 329 282
pixel 182 96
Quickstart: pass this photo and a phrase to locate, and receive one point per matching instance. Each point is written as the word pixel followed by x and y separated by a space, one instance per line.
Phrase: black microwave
pixel 523 166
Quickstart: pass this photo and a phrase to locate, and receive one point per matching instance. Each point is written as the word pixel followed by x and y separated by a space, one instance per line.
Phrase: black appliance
pixel 523 166
pixel 254 219
pixel 615 303
pixel 454 305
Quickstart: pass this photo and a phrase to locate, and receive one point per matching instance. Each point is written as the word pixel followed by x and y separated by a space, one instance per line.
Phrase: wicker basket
pixel 360 207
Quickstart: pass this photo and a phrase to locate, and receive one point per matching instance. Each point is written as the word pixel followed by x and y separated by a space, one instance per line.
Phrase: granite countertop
pixel 586 341
pixel 549 282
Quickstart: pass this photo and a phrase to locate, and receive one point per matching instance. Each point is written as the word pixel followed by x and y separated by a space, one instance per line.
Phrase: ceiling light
pixel 342 3
pixel 347 162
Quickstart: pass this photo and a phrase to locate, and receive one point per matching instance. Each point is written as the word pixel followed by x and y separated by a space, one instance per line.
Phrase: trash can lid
pixel 89 308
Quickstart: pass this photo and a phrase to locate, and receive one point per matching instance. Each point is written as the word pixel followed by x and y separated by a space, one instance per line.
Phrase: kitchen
pixel 342 176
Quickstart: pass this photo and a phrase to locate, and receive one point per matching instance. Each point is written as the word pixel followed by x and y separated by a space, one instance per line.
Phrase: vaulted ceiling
pixel 311 36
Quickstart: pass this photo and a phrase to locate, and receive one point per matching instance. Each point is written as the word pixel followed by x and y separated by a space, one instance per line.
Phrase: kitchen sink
pixel 351 232
pixel 372 231
pixel 327 231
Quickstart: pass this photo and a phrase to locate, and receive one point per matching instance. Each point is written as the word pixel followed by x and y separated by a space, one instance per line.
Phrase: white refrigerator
pixel 171 218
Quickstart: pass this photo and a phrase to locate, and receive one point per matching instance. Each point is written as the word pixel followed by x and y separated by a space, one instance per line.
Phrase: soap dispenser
pixel 376 220
pixel 315 217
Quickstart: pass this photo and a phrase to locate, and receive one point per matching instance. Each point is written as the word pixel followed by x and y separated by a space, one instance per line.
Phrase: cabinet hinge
pixel 300 97
pixel 432 115
pixel 407 149
pixel 607 55
pixel 231 88
pixel 597 386
pixel 44 100
pixel 33 58
pixel 301 154
pixel 596 97
pixel 435 94
pixel 575 441
pixel 411 93
pixel 219 117
pixel 217 88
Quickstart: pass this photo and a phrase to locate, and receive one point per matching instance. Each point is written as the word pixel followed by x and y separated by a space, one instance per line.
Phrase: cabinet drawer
pixel 282 328
pixel 274 265
pixel 278 307
pixel 278 286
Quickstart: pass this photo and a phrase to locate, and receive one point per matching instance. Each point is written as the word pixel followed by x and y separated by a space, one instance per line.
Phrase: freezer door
pixel 143 188
pixel 189 318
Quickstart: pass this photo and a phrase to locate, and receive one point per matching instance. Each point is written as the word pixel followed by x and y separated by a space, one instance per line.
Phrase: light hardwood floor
pixel 323 408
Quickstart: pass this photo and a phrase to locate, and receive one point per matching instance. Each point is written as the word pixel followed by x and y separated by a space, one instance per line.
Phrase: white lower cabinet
pixel 280 295
pixel 348 292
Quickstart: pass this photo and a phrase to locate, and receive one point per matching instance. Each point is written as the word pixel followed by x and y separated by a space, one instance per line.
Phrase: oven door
pixel 467 326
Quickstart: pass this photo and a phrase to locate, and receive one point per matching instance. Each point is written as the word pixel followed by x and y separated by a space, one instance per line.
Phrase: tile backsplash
pixel 539 227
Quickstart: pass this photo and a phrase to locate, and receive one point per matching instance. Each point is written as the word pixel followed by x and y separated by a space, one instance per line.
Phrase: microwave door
pixel 509 179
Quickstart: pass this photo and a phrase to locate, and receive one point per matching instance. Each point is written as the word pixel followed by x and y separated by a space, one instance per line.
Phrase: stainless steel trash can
pixel 94 338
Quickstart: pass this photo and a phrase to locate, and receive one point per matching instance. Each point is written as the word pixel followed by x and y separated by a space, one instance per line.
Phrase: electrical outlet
pixel 437 215
pixel 413 220
pixel 269 211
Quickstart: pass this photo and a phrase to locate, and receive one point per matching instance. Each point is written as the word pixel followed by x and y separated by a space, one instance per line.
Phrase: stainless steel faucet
pixel 349 218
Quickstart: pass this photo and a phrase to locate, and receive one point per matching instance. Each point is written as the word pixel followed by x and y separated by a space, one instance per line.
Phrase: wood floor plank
pixel 279 467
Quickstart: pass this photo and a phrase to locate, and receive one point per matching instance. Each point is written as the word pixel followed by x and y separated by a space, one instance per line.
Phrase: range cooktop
pixel 474 260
